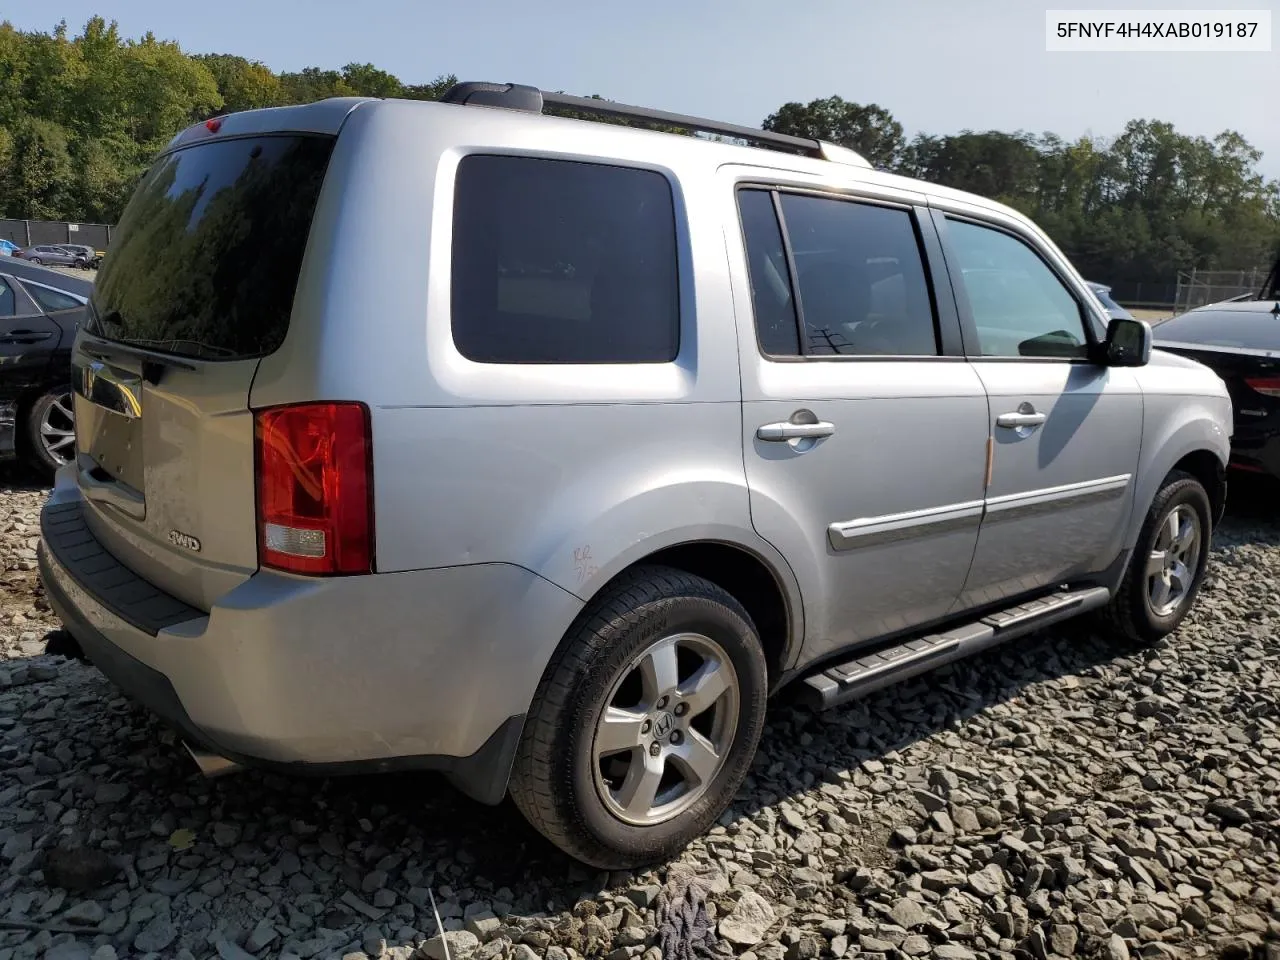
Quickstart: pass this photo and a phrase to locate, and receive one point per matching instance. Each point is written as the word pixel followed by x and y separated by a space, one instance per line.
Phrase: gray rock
pixel 86 912
pixel 746 924
pixel 1062 939
pixel 1116 948
pixel 908 914
pixel 111 792
pixel 156 935
pixel 68 950
pixel 229 951
pixel 462 943
pixel 644 896
pixel 988 882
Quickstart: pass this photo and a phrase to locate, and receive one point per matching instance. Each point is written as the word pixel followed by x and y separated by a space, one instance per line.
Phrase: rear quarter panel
pixel 571 471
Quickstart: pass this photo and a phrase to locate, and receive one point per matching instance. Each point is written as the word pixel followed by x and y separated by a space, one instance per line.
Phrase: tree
pixel 243 84
pixel 869 129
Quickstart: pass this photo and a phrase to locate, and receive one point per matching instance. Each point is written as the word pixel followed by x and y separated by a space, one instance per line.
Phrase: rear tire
pixel 645 722
pixel 1168 564
pixel 50 440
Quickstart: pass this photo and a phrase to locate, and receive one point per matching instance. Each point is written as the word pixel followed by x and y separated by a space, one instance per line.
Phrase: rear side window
pixel 859 275
pixel 51 300
pixel 771 295
pixel 557 261
pixel 863 290
pixel 205 260
pixel 8 301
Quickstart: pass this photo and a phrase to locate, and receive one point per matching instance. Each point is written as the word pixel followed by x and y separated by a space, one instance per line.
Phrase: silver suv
pixel 625 431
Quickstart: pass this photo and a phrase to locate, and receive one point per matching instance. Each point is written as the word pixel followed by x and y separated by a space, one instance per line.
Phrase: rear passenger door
pixel 864 429
pixel 1066 430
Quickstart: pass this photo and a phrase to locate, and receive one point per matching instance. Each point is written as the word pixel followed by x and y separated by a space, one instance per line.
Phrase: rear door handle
pixel 25 336
pixel 1020 419
pixel 786 430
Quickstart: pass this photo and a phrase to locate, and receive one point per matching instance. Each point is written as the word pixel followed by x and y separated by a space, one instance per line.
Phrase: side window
pixel 51 300
pixel 557 261
pixel 1019 305
pixel 863 290
pixel 775 308
pixel 8 302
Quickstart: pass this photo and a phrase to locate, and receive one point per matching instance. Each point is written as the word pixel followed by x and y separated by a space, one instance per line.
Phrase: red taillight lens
pixel 1267 386
pixel 314 465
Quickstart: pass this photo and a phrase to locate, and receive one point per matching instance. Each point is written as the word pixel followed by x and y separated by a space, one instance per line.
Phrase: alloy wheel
pixel 666 729
pixel 58 429
pixel 1174 560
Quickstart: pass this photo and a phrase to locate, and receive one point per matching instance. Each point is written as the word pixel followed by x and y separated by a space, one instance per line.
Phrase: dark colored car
pixel 52 253
pixel 1240 341
pixel 37 325
pixel 1103 293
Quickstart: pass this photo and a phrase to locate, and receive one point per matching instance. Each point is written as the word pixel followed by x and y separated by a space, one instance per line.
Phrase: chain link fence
pixel 1199 287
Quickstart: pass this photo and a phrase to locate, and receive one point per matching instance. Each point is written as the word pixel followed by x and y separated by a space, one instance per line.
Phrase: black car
pixel 38 319
pixel 1240 341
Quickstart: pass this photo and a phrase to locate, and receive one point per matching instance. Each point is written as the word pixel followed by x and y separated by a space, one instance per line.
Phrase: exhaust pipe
pixel 211 764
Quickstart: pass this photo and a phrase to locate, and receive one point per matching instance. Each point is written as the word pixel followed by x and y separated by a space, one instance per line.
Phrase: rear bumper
pixel 1256 450
pixel 423 670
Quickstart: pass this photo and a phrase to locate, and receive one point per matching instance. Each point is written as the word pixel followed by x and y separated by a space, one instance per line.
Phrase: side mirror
pixel 1128 343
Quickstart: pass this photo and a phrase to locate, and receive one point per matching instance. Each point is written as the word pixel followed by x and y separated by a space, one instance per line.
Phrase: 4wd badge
pixel 185 540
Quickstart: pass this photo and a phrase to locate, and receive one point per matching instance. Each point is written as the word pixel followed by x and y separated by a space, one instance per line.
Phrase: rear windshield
pixel 206 257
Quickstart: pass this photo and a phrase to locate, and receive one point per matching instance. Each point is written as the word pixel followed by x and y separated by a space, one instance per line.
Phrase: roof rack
pixel 517 96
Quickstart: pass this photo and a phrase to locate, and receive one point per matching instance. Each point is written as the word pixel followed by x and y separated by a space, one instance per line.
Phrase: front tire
pixel 1168 564
pixel 645 723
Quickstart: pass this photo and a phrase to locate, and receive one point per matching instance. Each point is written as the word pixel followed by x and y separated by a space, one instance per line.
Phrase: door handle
pixel 25 336
pixel 1020 419
pixel 786 430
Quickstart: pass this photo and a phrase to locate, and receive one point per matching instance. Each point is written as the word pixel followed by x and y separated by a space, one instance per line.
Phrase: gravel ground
pixel 1046 799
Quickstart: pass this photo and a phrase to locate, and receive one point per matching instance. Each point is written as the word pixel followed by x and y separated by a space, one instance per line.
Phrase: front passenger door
pixel 1065 430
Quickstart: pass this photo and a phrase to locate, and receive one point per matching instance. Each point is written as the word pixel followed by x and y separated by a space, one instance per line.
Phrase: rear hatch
pixel 198 286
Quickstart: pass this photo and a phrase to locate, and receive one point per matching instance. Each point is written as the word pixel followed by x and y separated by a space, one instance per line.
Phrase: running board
pixel 870 672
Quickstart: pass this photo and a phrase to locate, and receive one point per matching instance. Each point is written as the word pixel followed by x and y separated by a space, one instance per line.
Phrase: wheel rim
pixel 58 429
pixel 666 729
pixel 1174 560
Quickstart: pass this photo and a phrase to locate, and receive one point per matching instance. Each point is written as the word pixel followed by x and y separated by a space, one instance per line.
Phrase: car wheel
pixel 51 432
pixel 37 261
pixel 1168 564
pixel 645 722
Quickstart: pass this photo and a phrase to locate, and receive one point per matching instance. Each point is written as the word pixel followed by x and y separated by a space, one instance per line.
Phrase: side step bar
pixel 873 671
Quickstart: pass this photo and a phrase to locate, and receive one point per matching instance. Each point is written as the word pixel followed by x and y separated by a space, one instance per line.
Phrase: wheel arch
pixel 753 574
pixel 1197 443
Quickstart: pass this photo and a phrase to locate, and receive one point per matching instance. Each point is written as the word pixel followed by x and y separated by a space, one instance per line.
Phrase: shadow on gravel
pixel 410 831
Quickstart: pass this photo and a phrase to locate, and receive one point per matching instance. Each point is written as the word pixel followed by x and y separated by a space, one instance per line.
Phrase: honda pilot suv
pixel 626 431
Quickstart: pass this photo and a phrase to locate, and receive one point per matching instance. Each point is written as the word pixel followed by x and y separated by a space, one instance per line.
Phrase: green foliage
pixel 869 129
pixel 1142 206
pixel 81 117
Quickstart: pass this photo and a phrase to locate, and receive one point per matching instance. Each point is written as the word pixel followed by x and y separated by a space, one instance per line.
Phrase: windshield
pixel 206 257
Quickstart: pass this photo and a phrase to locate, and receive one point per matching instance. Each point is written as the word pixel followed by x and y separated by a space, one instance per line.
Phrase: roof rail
pixel 516 96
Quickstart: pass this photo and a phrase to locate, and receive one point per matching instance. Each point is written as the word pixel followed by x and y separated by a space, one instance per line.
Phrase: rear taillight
pixel 315 484
pixel 1267 386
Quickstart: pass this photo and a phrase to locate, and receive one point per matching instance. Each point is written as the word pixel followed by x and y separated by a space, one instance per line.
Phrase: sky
pixel 939 66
